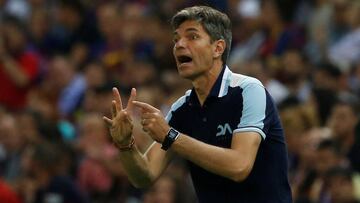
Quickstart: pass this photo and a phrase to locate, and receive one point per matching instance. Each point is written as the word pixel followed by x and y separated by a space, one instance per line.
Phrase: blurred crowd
pixel 59 60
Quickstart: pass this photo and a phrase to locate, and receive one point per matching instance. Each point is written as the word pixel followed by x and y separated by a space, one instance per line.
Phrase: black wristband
pixel 170 138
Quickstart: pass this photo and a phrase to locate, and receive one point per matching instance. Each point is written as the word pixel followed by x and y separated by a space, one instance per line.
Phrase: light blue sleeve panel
pixel 168 116
pixel 181 101
pixel 254 107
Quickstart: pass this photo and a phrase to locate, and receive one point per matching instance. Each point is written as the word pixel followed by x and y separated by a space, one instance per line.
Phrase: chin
pixel 188 71
pixel 188 75
pixel 185 75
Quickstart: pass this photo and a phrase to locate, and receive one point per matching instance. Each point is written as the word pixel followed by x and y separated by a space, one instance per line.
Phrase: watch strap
pixel 170 138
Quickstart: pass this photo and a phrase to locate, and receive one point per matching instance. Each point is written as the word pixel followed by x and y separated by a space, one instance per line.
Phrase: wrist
pixel 125 146
pixel 170 138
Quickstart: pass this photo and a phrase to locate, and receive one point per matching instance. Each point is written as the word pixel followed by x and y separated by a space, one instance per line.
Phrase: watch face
pixel 173 133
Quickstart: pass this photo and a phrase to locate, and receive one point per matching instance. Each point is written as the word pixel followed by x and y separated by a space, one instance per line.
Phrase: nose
pixel 180 43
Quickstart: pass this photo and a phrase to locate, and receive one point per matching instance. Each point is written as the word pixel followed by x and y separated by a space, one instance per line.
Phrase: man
pixel 19 67
pixel 227 126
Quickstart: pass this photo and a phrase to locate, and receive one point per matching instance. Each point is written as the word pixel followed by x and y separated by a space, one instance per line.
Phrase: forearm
pixel 144 169
pixel 136 166
pixel 225 162
pixel 114 166
pixel 13 71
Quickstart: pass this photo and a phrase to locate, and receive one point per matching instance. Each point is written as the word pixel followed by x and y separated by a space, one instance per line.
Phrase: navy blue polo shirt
pixel 236 103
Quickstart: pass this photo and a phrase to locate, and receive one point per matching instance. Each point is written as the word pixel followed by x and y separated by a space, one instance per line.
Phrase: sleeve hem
pixel 251 129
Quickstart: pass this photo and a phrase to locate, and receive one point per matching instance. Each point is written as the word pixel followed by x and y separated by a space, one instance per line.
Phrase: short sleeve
pixel 254 108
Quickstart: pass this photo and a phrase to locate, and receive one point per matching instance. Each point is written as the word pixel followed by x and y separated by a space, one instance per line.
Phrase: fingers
pixel 108 121
pixel 127 117
pixel 117 99
pixel 147 116
pixel 145 106
pixel 145 129
pixel 116 105
pixel 145 122
pixel 113 109
pixel 123 116
pixel 131 99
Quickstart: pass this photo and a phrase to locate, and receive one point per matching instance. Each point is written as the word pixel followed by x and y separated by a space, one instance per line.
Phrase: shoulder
pixel 244 82
pixel 177 105
pixel 234 81
pixel 180 101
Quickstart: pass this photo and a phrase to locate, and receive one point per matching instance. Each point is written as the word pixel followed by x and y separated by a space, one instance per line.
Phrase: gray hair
pixel 216 24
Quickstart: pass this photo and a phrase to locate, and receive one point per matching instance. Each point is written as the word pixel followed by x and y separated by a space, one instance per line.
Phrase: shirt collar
pixel 215 90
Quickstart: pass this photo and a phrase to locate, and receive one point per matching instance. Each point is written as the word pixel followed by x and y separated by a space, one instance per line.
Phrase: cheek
pixel 205 56
pixel 173 52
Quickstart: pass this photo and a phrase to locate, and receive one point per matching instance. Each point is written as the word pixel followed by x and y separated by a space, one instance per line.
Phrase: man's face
pixel 325 160
pixel 194 53
pixel 342 120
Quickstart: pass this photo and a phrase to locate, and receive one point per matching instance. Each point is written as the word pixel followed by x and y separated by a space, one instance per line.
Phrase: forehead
pixel 189 26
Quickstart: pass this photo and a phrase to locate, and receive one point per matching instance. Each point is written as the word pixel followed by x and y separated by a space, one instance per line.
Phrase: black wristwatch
pixel 170 138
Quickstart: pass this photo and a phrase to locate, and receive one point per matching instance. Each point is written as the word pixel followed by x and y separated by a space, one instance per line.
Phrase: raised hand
pixel 120 124
pixel 153 121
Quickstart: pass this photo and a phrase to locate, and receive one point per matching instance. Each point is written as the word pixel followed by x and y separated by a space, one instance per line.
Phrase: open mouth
pixel 184 59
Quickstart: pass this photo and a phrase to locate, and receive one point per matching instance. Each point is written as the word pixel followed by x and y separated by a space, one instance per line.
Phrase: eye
pixel 194 36
pixel 175 39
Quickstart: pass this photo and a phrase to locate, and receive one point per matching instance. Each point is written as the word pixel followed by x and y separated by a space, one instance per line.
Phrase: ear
pixel 219 48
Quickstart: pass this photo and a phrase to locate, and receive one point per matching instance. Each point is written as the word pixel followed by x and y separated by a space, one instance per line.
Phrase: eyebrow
pixel 191 29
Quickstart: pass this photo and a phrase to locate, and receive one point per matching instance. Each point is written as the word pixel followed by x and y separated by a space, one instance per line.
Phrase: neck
pixel 205 82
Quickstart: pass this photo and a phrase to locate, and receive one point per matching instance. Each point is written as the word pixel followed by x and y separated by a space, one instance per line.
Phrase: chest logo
pixel 222 129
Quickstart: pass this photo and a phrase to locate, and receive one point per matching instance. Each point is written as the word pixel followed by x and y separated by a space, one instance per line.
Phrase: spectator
pixel 67 85
pixel 7 195
pixel 99 173
pixel 342 122
pixel 346 51
pixel 303 51
pixel 341 188
pixel 14 144
pixel 48 171
pixel 281 33
pixel 73 24
pixel 18 66
pixel 95 74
